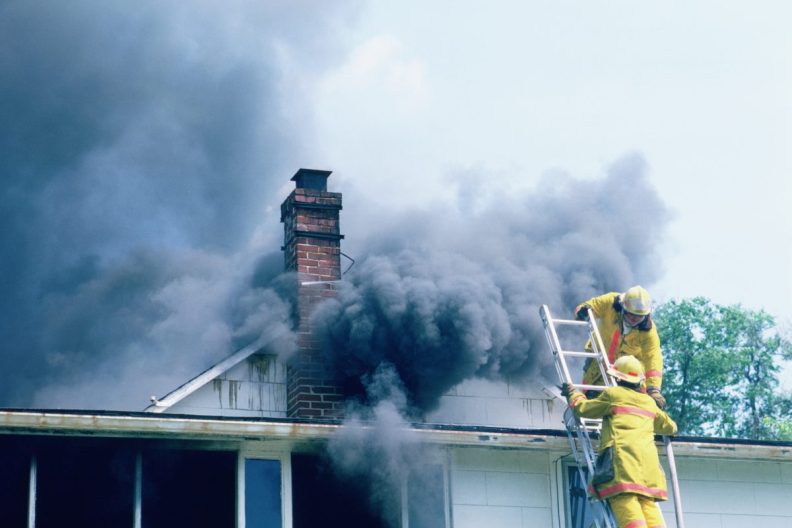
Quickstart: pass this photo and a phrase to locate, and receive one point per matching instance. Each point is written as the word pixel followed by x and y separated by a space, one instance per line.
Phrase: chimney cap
pixel 312 179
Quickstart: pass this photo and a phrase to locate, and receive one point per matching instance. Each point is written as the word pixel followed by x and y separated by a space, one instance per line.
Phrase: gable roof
pixel 181 392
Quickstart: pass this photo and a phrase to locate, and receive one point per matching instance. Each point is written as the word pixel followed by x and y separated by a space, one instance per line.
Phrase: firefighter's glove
pixel 566 389
pixel 583 313
pixel 658 398
pixel 586 365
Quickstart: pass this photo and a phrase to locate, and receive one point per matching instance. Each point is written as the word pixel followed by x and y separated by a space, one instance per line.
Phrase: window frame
pixel 441 458
pixel 563 466
pixel 263 452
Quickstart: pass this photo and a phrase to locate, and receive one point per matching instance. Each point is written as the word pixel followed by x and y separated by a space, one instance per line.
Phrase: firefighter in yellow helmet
pixel 625 324
pixel 627 472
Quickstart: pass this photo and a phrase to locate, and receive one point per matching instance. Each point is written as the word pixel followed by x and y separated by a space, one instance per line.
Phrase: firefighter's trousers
pixel 636 511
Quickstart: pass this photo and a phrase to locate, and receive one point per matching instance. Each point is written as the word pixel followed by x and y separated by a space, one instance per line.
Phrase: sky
pixel 148 146
pixel 443 95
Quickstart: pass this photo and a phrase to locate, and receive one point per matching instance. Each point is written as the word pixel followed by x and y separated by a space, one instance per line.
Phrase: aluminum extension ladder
pixel 579 430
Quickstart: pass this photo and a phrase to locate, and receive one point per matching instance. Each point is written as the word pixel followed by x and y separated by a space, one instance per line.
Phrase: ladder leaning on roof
pixel 579 429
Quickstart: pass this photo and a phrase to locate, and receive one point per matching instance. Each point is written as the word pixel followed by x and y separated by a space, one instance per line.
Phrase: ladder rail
pixel 595 338
pixel 555 343
pixel 680 521
pixel 585 457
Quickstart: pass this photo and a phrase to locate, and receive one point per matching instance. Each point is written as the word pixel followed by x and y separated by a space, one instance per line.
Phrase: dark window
pixel 81 483
pixel 262 493
pixel 579 508
pixel 322 500
pixel 189 489
pixel 426 497
pixel 14 483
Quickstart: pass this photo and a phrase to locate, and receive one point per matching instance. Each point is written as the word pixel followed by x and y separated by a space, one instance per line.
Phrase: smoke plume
pixel 448 297
pixel 142 149
pixel 444 296
pixel 376 447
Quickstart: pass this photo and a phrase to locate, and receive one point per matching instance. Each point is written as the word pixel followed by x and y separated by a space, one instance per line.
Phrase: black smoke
pixel 444 297
pixel 143 146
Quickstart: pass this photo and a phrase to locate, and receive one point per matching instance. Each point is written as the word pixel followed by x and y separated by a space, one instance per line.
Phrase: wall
pixel 500 488
pixel 499 404
pixel 487 486
pixel 723 493
pixel 255 387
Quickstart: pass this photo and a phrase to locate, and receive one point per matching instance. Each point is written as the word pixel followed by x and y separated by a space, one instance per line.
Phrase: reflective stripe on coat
pixel 630 421
pixel 643 344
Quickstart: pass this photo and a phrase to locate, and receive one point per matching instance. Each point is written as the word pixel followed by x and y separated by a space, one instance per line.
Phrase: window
pixel 189 488
pixel 319 498
pixel 426 498
pixel 318 495
pixel 83 483
pixel 14 482
pixel 579 514
pixel 262 493
pixel 50 482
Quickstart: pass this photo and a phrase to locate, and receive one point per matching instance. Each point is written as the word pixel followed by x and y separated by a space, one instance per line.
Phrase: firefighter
pixel 626 327
pixel 627 472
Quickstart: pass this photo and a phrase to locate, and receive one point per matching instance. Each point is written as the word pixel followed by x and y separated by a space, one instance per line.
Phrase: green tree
pixel 781 426
pixel 721 369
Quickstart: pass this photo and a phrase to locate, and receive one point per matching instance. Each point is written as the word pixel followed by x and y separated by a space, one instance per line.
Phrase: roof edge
pixel 144 424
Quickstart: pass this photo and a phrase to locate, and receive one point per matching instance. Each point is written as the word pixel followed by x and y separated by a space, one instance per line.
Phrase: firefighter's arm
pixel 653 361
pixel 598 305
pixel 663 424
pixel 582 406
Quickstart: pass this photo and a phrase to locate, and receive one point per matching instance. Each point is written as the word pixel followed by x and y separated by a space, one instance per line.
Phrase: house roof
pixel 160 405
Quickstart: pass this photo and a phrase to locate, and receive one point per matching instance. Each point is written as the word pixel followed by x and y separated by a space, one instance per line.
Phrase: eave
pixel 291 431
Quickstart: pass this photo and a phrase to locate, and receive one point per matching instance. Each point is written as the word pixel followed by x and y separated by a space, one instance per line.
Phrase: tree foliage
pixel 721 369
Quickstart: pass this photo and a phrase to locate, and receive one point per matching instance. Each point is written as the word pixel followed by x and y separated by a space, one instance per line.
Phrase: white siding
pixel 255 387
pixel 501 489
pixel 723 493
pixel 500 404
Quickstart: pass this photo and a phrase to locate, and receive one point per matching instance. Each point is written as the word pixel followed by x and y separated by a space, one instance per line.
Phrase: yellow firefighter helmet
pixel 637 301
pixel 627 368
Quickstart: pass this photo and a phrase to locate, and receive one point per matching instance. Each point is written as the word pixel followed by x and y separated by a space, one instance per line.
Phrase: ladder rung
pixel 570 322
pixel 590 429
pixel 574 353
pixel 590 387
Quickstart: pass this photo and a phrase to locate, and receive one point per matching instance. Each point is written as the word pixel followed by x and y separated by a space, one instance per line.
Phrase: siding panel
pixel 469 487
pixel 774 499
pixel 487 516
pixel 718 497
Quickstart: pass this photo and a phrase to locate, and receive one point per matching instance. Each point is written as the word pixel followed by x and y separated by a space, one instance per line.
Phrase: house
pixel 244 444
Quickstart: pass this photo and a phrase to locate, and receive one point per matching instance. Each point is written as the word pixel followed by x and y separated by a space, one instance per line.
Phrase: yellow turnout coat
pixel 630 421
pixel 643 344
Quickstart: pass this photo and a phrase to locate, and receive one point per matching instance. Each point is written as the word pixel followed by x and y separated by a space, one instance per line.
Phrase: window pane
pixel 14 482
pixel 321 499
pixel 82 483
pixel 580 515
pixel 426 497
pixel 189 488
pixel 262 493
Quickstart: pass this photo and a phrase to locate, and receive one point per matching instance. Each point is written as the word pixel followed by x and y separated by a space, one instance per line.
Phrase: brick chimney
pixel 312 248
